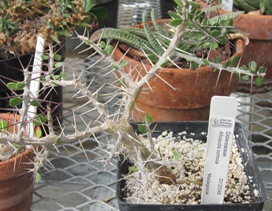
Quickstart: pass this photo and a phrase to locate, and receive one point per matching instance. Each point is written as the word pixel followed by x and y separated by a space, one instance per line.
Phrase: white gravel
pixel 186 159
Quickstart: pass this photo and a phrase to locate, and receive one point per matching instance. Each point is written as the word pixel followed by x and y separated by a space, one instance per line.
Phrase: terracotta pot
pixel 190 100
pixel 16 179
pixel 259 48
pixel 259 30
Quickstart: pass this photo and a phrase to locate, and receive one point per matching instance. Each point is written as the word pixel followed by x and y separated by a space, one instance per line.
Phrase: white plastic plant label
pixel 35 80
pixel 219 143
pixel 227 5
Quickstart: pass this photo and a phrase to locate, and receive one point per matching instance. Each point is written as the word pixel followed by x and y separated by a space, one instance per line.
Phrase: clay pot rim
pixel 27 152
pixel 248 23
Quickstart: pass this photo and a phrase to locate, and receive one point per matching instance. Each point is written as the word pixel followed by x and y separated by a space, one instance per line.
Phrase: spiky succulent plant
pixel 201 34
pixel 118 122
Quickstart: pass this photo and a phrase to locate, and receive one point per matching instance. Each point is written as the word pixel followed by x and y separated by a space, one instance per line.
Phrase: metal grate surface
pixel 79 180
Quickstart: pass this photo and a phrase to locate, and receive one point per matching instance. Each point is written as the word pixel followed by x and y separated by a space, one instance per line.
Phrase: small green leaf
pixel 38 177
pixel 16 85
pixel 58 64
pixel 87 42
pixel 62 74
pixel 153 57
pixel 245 77
pixel 253 66
pixel 11 85
pixel 234 61
pixel 39 119
pixel 214 45
pixel 142 128
pixel 175 22
pixel 227 64
pixel 108 51
pixel 206 62
pixel 58 141
pixel 174 15
pixel 193 66
pixel 194 5
pixel 65 33
pixel 132 169
pixel 231 22
pixel 55 38
pixel 124 63
pixel 20 85
pixel 17 146
pixel 179 3
pixel 224 40
pixel 102 44
pixel 176 155
pixel 38 133
pixel 215 33
pixel 45 57
pixel 34 103
pixel 57 77
pixel 148 118
pixel 164 64
pixel 217 59
pixel 262 69
pixel 3 125
pixel 190 24
pixel 57 57
pixel 15 101
pixel 259 81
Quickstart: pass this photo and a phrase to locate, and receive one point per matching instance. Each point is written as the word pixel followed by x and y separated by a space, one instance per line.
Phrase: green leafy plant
pixel 3 125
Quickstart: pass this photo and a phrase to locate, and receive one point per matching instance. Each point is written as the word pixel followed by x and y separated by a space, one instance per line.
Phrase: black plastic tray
pixel 195 130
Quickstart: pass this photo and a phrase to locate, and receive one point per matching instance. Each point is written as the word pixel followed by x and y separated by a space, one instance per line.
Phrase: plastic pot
pixel 167 5
pixel 111 6
pixel 195 130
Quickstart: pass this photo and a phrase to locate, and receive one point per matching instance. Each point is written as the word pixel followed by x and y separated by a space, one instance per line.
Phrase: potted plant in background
pixel 111 120
pixel 20 24
pixel 256 13
pixel 181 98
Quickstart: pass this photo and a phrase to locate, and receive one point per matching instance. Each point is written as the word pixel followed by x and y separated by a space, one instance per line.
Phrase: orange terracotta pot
pixel 259 30
pixel 190 98
pixel 16 179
